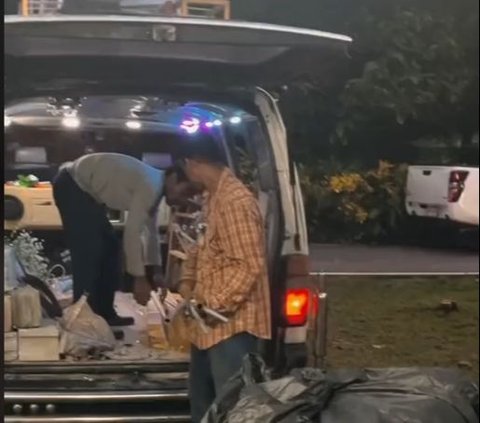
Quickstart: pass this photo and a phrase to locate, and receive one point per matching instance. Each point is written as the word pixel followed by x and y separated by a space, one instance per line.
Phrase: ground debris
pixel 378 346
pixel 465 365
pixel 447 306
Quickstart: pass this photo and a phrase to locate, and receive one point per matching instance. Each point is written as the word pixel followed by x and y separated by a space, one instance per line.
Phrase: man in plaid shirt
pixel 226 272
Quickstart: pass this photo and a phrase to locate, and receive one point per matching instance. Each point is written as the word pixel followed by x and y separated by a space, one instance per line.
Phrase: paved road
pixel 339 258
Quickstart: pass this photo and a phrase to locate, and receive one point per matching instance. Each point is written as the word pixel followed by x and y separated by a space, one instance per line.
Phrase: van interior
pixel 43 133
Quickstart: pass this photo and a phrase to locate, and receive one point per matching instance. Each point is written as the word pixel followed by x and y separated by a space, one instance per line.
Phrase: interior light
pixel 133 124
pixel 217 122
pixel 235 120
pixel 190 126
pixel 71 122
pixel 209 124
pixel 7 121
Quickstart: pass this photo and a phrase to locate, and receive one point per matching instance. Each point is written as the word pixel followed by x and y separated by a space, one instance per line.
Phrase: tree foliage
pixel 418 84
pixel 413 73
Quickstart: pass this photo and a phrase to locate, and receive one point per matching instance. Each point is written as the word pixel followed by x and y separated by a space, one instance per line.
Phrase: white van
pixel 443 192
pixel 113 70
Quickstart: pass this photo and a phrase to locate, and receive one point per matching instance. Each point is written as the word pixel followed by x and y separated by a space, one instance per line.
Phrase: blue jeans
pixel 210 369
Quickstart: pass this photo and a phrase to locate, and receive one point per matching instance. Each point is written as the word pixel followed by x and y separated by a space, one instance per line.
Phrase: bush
pixel 353 205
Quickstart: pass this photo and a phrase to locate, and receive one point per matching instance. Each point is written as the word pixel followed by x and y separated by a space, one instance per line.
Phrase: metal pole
pixel 320 340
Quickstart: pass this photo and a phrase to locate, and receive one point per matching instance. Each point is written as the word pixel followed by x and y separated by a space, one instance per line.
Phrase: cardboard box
pixel 39 344
pixel 39 210
pixel 10 351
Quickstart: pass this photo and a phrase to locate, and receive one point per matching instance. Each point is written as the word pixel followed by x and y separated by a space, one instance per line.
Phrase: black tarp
pixel 392 395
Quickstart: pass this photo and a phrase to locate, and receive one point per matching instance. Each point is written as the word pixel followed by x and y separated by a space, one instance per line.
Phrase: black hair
pixel 177 170
pixel 201 146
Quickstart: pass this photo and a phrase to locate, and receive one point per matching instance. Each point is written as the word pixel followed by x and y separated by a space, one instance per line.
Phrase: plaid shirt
pixel 229 267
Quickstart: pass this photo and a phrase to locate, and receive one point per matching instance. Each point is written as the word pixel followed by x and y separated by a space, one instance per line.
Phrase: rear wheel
pixel 468 238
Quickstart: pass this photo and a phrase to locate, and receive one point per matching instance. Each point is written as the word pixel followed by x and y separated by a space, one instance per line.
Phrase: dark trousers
pixel 94 246
pixel 210 369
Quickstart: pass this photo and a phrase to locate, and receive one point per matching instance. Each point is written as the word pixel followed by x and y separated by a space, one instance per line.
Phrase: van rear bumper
pixel 113 392
pixel 101 407
pixel 154 418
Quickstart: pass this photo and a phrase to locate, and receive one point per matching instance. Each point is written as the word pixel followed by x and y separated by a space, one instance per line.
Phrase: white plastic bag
pixel 11 269
pixel 84 332
pixel 125 305
pixel 61 286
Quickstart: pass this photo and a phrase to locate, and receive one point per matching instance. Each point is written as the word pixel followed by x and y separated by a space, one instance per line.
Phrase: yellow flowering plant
pixel 353 205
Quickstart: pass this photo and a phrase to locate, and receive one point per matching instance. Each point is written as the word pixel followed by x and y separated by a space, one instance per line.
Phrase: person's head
pixel 178 189
pixel 202 158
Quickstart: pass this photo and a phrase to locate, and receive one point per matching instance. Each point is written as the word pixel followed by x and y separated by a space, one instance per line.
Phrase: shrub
pixel 354 205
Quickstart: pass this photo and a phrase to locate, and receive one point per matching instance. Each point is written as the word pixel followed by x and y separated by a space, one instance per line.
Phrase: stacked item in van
pixel 40 315
pixel 28 335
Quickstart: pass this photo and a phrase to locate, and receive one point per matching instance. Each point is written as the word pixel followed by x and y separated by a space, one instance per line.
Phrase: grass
pixel 380 322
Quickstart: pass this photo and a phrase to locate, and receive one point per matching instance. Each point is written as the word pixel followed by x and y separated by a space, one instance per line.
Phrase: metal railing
pixel 393 274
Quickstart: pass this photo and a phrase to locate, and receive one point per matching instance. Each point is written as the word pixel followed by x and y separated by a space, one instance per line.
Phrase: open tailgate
pixel 91 50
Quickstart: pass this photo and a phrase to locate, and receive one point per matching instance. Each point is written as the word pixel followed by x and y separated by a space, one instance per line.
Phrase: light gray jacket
pixel 124 183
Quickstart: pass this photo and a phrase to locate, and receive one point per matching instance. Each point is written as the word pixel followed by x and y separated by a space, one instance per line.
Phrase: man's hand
pixel 154 276
pixel 185 291
pixel 141 290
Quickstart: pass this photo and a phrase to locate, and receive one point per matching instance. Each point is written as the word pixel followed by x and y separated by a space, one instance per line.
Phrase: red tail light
pixel 296 306
pixel 456 185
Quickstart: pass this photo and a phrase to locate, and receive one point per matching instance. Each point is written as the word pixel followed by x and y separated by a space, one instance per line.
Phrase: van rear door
pixel 298 303
pixel 428 185
pixel 295 236
pixel 98 53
